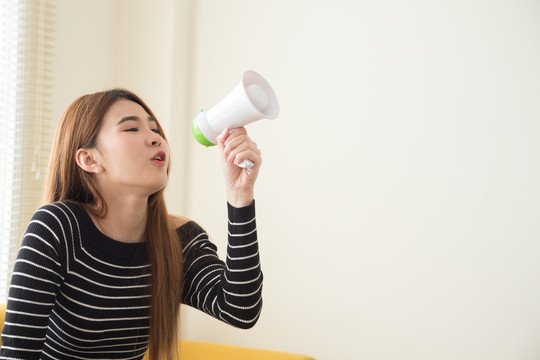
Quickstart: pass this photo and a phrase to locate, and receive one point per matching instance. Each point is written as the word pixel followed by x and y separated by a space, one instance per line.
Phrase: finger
pixel 234 142
pixel 222 138
pixel 248 154
pixel 236 146
pixel 237 141
pixel 237 132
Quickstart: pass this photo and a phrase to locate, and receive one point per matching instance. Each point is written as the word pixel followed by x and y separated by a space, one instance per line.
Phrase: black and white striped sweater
pixel 77 294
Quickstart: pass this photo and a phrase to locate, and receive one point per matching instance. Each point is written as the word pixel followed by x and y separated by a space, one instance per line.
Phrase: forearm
pixel 231 290
pixel 243 277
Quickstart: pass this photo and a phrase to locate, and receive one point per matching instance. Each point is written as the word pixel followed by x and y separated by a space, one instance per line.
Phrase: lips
pixel 159 158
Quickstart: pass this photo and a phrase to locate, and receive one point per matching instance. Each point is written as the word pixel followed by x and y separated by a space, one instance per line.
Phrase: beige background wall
pixel 398 202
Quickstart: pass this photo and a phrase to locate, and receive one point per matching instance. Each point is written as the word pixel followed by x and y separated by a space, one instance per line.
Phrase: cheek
pixel 117 153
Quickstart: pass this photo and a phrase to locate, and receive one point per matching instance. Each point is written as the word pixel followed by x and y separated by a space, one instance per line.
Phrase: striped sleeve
pixel 229 290
pixel 37 275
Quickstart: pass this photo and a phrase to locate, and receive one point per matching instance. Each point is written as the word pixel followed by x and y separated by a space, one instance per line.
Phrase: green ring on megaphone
pixel 198 135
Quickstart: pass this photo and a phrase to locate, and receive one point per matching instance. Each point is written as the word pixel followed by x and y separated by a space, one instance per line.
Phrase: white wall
pixel 85 51
pixel 398 200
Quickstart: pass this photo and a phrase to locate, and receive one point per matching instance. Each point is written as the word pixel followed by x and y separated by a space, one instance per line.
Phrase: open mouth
pixel 159 158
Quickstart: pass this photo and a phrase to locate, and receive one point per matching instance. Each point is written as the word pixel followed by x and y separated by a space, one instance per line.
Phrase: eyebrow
pixel 134 118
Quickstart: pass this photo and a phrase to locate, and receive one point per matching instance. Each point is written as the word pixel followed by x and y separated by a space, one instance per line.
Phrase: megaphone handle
pixel 246 164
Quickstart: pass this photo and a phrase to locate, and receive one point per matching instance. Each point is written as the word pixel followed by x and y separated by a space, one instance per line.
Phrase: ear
pixel 88 160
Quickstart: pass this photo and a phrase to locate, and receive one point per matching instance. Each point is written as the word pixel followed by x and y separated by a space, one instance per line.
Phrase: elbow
pixel 248 324
pixel 249 319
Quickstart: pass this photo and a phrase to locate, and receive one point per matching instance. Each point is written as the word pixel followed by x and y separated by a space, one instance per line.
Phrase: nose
pixel 155 139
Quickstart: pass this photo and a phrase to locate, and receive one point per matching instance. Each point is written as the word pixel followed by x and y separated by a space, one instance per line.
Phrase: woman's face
pixel 133 154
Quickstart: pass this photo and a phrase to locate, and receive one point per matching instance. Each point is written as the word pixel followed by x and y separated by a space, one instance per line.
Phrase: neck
pixel 125 219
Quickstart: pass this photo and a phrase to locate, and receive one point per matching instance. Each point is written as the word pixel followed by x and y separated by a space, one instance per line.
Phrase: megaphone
pixel 251 100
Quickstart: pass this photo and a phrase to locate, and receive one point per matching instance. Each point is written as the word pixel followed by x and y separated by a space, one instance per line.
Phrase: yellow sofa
pixel 199 350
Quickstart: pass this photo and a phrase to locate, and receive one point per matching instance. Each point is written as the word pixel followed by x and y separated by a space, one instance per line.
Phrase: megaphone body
pixel 251 100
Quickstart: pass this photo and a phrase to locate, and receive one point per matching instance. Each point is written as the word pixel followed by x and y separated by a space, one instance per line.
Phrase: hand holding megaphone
pixel 251 100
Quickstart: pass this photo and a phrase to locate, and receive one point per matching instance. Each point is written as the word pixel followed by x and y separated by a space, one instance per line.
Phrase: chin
pixel 158 187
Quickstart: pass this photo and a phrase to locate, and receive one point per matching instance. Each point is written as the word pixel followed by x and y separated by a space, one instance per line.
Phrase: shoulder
pixel 187 229
pixel 59 219
pixel 59 211
pixel 178 221
pixel 52 225
pixel 184 225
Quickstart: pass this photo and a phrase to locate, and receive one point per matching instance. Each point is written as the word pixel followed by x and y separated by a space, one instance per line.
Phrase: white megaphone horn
pixel 251 100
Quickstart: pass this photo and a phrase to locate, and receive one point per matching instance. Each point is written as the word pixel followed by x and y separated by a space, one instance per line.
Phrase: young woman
pixel 103 267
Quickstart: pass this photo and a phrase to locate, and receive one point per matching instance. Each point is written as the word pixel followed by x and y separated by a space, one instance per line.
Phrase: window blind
pixel 26 40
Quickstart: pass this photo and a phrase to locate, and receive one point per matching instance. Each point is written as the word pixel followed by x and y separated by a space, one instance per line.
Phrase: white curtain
pixel 27 41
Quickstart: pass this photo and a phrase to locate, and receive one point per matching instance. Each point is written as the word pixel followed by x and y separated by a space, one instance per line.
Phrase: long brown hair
pixel 78 128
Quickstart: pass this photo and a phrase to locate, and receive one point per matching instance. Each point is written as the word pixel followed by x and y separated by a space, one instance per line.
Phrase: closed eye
pixel 157 131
